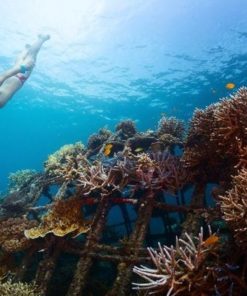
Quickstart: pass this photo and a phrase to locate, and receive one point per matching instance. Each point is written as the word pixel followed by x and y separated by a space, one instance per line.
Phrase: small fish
pixel 107 149
pixel 211 240
pixel 41 250
pixel 230 85
pixel 138 149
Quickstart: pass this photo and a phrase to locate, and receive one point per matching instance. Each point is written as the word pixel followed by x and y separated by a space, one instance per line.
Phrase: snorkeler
pixel 13 79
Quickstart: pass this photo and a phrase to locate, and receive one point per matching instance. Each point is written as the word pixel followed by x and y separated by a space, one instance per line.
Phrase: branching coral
pixel 160 171
pixel 58 161
pixel 12 237
pixel 65 217
pixel 234 208
pixel 171 126
pixel 18 289
pixel 19 179
pixel 179 270
pixel 95 141
pixel 126 129
pixel 217 138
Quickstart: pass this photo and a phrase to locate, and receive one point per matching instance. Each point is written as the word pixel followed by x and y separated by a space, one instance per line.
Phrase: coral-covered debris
pixel 65 217
pixel 12 238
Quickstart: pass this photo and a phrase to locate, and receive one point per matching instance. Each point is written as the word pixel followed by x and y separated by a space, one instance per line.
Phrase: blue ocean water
pixel 111 60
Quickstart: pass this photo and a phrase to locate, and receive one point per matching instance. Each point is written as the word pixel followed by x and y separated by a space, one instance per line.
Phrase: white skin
pixel 9 83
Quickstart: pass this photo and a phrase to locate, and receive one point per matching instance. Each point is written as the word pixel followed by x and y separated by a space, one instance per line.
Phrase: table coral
pixel 64 217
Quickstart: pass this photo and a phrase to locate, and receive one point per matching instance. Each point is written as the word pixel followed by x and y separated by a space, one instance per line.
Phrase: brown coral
pixel 12 237
pixel 126 129
pixel 65 217
pixel 216 142
pixel 171 126
pixel 234 207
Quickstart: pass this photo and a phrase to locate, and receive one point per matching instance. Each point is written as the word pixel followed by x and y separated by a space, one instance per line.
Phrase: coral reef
pixel 234 208
pixel 12 238
pixel 64 217
pixel 58 160
pixel 157 195
pixel 215 138
pixel 171 126
pixel 19 179
pixel 180 270
pixel 18 289
pixel 126 129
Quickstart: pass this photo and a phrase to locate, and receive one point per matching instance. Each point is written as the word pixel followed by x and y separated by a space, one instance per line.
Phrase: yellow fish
pixel 107 149
pixel 211 240
pixel 138 149
pixel 230 85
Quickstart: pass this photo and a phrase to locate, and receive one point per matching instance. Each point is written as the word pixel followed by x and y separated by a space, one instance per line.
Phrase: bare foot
pixel 44 37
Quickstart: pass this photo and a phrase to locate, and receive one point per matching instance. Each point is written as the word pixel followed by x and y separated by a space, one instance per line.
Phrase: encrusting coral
pixel 64 217
pixel 9 288
pixel 12 238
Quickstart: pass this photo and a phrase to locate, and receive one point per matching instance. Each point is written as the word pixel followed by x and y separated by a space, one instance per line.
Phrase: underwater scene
pixel 123 140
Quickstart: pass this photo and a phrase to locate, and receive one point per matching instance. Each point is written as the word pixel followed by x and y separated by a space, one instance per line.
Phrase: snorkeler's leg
pixel 10 72
pixel 8 89
pixel 35 47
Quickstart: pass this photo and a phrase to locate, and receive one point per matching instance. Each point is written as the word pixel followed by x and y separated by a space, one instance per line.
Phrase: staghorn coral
pixel 179 270
pixel 126 129
pixel 233 205
pixel 97 140
pixel 171 126
pixel 58 161
pixel 230 123
pixel 160 171
pixel 10 288
pixel 64 217
pixel 19 178
pixel 217 139
pixel 12 237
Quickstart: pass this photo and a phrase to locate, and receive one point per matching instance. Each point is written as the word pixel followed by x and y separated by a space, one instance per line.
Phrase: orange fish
pixel 107 149
pixel 211 240
pixel 230 85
